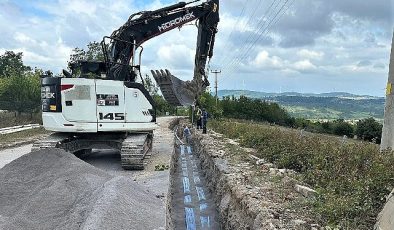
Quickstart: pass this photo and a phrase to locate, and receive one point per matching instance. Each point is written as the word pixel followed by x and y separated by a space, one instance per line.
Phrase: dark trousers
pixel 199 125
pixel 204 126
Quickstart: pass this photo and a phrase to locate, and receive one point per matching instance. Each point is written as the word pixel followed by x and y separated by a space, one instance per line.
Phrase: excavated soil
pixel 52 189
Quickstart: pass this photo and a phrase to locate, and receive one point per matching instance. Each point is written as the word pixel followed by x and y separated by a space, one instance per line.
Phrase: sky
pixel 272 46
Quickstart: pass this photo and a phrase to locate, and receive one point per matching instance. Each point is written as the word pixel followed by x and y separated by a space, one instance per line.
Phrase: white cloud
pixel 310 54
pixel 81 7
pixel 177 56
pixel 264 60
pixel 46 31
pixel 304 66
pixel 23 38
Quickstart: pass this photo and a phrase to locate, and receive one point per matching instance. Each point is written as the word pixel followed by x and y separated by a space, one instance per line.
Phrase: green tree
pixel 11 63
pixel 369 129
pixel 162 106
pixel 343 128
pixel 94 52
pixel 21 92
pixel 208 102
pixel 150 85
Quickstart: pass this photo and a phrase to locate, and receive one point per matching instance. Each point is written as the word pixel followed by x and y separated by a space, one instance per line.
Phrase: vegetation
pixel 11 64
pixel 352 178
pixel 21 136
pixel 8 119
pixel 245 108
pixel 93 53
pixel 330 106
pixel 19 85
pixel 369 129
pixel 259 110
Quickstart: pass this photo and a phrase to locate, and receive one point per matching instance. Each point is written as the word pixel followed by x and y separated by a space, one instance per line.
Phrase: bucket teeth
pixel 175 91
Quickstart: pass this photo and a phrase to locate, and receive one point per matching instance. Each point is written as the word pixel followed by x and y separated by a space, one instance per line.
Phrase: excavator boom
pixel 124 42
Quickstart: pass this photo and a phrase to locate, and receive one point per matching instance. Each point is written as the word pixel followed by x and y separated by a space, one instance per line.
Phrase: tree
pixel 369 129
pixel 11 63
pixel 343 128
pixel 93 53
pixel 21 92
pixel 208 102
pixel 150 85
pixel 162 106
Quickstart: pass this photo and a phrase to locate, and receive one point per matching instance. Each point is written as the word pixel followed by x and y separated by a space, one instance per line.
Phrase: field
pixel 352 178
pixel 329 106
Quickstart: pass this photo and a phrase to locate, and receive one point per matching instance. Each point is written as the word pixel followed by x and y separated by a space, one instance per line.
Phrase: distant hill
pixel 332 105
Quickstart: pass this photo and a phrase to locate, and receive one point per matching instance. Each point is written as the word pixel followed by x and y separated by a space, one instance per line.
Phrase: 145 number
pixel 112 116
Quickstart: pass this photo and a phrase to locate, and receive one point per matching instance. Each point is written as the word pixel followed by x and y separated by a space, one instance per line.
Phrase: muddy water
pixel 192 203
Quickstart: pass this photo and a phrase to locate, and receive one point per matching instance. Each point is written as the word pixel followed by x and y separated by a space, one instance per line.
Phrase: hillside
pixel 332 105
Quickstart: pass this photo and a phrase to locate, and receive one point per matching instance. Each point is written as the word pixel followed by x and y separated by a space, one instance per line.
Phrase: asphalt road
pixel 8 155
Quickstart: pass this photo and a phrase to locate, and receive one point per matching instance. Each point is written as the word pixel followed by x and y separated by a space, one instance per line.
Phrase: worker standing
pixel 199 118
pixel 205 116
pixel 187 134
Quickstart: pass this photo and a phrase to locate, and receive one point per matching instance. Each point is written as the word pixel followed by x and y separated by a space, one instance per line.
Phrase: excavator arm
pixel 142 26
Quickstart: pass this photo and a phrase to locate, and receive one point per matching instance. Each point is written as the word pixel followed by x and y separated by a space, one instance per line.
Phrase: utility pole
pixel 216 83
pixel 388 123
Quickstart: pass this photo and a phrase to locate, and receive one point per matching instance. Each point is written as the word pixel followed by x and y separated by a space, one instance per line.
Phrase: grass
pixel 22 135
pixel 8 119
pixel 352 178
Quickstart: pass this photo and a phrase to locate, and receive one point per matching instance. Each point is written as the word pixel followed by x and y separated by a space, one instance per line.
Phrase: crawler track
pixel 134 148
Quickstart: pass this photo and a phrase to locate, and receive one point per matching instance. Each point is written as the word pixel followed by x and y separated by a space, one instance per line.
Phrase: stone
pixel 305 191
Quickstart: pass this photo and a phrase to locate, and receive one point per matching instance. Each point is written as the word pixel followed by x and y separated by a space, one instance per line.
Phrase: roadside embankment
pixel 249 196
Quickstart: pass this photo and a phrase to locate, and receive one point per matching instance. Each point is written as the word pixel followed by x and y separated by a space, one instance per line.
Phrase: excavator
pixel 103 104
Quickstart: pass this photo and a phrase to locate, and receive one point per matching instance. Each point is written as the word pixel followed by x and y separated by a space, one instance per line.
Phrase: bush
pixel 352 178
pixel 369 129
pixel 21 93
pixel 343 128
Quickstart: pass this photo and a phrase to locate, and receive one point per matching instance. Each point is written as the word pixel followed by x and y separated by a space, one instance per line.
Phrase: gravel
pixel 52 189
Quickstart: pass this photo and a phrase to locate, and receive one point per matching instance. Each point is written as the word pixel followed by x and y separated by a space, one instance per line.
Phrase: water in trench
pixel 192 204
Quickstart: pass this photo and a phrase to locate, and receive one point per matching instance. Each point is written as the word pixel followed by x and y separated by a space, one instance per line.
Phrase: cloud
pixel 364 63
pixel 304 66
pixel 310 54
pixel 313 42
pixel 176 56
pixel 379 65
pixel 264 61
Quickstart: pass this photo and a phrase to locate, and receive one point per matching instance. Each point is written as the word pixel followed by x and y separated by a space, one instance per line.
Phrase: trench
pixel 192 204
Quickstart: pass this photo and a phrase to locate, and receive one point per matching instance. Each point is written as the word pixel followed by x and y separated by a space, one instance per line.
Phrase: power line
pixel 262 31
pixel 251 16
pixel 268 20
pixel 244 43
pixel 227 43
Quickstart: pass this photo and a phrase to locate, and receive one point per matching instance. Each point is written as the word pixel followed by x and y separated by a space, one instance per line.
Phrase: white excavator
pixel 102 105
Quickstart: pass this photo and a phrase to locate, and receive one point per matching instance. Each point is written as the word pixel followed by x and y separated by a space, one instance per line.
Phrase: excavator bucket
pixel 175 91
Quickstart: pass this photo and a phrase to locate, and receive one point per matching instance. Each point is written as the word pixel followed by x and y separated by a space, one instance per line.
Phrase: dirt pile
pixel 52 189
